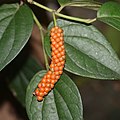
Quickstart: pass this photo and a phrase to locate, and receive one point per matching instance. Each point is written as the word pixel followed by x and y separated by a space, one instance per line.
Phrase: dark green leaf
pixel 86 4
pixel 110 13
pixel 88 52
pixel 62 103
pixel 22 79
pixel 15 29
pixel 63 2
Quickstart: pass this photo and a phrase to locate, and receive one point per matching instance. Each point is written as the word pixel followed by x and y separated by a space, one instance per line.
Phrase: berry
pixel 39 98
pixel 41 94
pixel 56 66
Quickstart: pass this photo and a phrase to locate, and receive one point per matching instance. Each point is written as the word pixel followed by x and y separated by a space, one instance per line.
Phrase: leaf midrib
pixel 14 33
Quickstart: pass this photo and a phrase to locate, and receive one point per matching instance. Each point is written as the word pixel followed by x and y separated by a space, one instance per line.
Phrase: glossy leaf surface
pixel 109 13
pixel 62 103
pixel 16 24
pixel 88 53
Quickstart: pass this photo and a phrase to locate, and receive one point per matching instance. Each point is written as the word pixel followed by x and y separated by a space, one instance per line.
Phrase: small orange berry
pixel 62 62
pixel 52 69
pixel 56 27
pixel 43 80
pixel 59 64
pixel 48 76
pixel 58 34
pixel 57 45
pixel 48 80
pixel 58 55
pixel 57 40
pixel 57 77
pixel 39 98
pixel 54 37
pixel 62 47
pixel 62 52
pixel 39 85
pixel 56 72
pixel 56 80
pixel 54 57
pixel 52 34
pixel 52 85
pixel 60 72
pixel 54 43
pixel 47 89
pixel 63 57
pixel 42 89
pixel 60 30
pixel 61 38
pixel 52 76
pixel 52 30
pixel 37 91
pixel 60 43
pixel 60 68
pixel 45 93
pixel 49 72
pixel 56 68
pixel 43 84
pixel 56 60
pixel 53 48
pixel 56 52
pixel 48 85
pixel 41 94
pixel 52 65
pixel 62 34
pixel 53 82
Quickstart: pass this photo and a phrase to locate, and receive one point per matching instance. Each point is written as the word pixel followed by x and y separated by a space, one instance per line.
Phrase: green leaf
pixel 86 4
pixel 16 24
pixel 110 13
pixel 22 79
pixel 62 103
pixel 63 2
pixel 88 53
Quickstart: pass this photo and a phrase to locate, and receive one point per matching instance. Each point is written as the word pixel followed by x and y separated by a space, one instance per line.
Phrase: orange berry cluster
pixel 56 66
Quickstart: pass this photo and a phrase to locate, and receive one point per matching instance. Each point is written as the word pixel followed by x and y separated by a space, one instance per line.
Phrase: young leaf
pixel 62 103
pixel 110 13
pixel 88 53
pixel 22 79
pixel 15 29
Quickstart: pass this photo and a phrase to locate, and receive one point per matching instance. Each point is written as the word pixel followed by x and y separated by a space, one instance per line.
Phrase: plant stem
pixel 86 4
pixel 42 38
pixel 42 6
pixel 62 15
pixel 75 18
pixel 54 18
